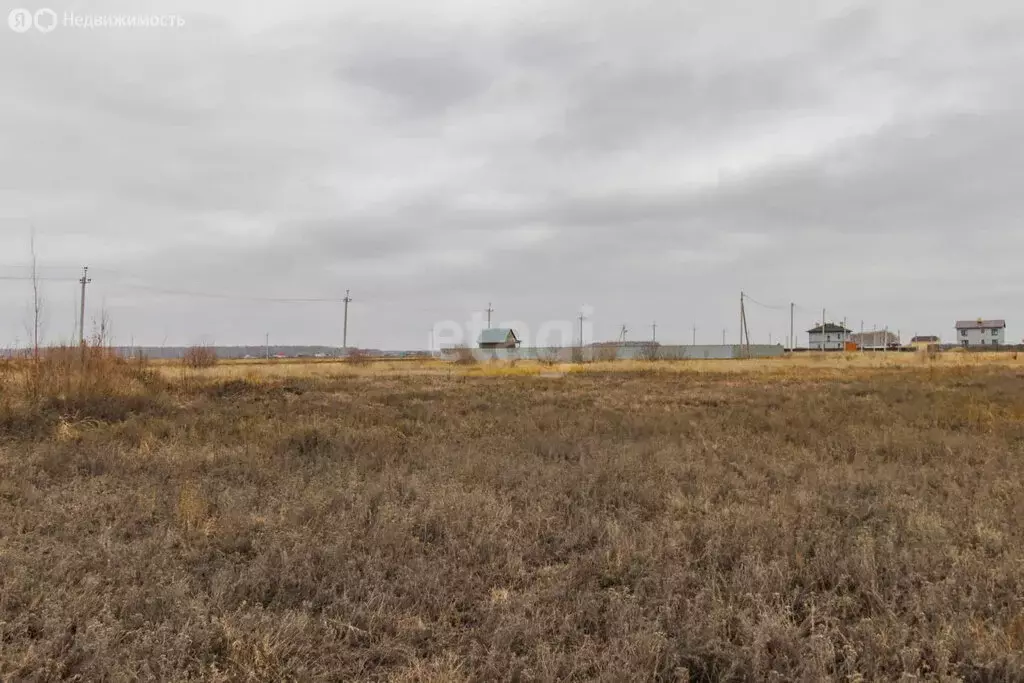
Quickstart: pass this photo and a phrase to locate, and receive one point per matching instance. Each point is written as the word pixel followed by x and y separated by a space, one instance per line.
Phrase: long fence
pixel 620 352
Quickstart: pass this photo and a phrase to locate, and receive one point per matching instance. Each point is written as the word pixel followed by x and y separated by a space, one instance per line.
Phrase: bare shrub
pixel 650 351
pixel 199 357
pixel 548 355
pixel 37 302
pixel 577 355
pixel 357 357
pixel 464 355
pixel 102 330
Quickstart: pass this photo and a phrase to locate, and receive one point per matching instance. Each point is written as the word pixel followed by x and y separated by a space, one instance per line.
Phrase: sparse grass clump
pixel 615 525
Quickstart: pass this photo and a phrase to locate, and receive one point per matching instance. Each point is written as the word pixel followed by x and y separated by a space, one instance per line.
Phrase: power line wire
pixel 755 301
pixel 29 278
pixel 229 297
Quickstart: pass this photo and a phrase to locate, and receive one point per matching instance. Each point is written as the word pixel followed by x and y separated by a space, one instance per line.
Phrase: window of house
pixel 995 332
pixel 963 333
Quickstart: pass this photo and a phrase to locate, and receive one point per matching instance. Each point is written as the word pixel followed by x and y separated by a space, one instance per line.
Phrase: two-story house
pixel 981 332
pixel 827 337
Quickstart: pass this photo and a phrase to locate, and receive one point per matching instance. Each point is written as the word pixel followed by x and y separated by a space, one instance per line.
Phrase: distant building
pixel 981 332
pixel 827 337
pixel 498 338
pixel 876 340
pixel 925 342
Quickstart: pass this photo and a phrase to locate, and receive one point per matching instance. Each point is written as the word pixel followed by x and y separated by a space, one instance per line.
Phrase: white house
pixel 981 332
pixel 828 337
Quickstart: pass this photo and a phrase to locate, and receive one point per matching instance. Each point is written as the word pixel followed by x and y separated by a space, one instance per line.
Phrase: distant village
pixel 504 343
pixel 979 333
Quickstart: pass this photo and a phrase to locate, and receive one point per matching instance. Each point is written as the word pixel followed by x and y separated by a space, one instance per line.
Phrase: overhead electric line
pixel 230 297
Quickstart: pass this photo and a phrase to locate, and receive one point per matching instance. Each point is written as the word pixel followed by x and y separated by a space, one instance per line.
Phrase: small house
pixel 925 342
pixel 498 338
pixel 828 337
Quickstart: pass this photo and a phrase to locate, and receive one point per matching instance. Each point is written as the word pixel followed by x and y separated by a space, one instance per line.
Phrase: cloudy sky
pixel 648 159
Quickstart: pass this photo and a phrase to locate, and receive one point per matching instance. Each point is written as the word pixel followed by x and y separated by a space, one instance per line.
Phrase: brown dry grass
pixel 636 524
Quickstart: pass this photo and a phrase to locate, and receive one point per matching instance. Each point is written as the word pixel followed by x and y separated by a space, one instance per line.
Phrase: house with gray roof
pixel 981 332
pixel 827 337
pixel 498 338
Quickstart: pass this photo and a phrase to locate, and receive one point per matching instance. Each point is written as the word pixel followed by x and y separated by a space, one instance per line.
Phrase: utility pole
pixel 744 332
pixel 81 311
pixel 581 319
pixel 792 339
pixel 723 336
pixel 823 329
pixel 489 311
pixel 695 334
pixel 266 344
pixel 741 317
pixel 344 329
pixel 654 331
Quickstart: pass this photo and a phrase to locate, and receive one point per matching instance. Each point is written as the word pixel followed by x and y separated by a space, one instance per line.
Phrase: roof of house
pixel 924 338
pixel 497 335
pixel 829 328
pixel 980 324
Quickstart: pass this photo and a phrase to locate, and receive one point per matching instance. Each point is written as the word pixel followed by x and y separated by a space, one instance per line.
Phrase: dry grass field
pixel 807 519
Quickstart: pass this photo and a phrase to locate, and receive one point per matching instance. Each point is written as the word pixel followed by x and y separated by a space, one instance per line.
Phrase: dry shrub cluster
pixel 549 356
pixel 464 355
pixel 628 526
pixel 74 382
pixel 357 357
pixel 577 355
pixel 650 351
pixel 199 357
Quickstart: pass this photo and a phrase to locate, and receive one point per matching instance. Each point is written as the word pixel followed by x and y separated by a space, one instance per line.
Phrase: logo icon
pixel 20 20
pixel 46 20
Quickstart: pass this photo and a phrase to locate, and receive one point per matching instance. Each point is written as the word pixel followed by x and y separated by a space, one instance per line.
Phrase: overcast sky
pixel 646 159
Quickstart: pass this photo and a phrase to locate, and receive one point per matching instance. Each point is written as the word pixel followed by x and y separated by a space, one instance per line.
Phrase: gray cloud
pixel 648 160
